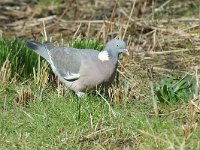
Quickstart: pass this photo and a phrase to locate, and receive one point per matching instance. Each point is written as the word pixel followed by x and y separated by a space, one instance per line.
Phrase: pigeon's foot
pixel 80 94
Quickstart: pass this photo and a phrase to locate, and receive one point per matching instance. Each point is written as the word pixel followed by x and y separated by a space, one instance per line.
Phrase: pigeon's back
pixel 70 59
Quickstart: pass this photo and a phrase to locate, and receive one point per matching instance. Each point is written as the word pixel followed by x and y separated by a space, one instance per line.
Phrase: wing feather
pixel 68 61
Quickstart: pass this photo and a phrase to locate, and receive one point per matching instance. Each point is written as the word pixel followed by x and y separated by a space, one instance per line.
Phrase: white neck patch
pixel 103 56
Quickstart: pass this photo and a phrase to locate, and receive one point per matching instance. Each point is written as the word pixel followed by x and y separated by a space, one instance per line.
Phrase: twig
pixel 154 41
pixel 129 20
pixel 162 6
pixel 110 108
pixel 88 29
pixel 47 18
pixel 196 106
pixel 100 131
pixel 28 115
pixel 180 20
pixel 173 51
pixel 45 33
pixel 155 137
pixel 124 76
pixel 197 81
pixel 94 21
pixel 109 27
pixel 77 30
pixel 155 105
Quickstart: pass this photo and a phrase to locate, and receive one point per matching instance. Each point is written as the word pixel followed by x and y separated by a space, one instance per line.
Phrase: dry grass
pixel 164 40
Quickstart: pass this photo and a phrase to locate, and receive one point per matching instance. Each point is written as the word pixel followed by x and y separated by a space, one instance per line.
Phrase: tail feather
pixel 38 48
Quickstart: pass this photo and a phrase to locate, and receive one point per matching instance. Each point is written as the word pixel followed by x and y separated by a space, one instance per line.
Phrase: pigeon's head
pixel 116 46
pixel 113 48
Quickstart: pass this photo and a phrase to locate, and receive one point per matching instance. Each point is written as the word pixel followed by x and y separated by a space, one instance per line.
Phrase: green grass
pixel 86 44
pixel 177 8
pixel 47 2
pixel 54 123
pixel 174 89
pixel 34 117
pixel 22 59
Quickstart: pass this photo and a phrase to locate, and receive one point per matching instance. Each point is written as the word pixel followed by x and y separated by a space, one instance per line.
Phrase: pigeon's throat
pixel 103 56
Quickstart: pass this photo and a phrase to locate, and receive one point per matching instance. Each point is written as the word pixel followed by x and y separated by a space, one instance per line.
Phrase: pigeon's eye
pixel 117 45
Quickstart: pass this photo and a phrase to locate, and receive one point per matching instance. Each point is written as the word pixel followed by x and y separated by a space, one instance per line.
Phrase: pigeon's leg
pixel 80 94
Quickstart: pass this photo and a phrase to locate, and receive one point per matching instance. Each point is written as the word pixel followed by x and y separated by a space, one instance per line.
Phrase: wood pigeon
pixel 82 69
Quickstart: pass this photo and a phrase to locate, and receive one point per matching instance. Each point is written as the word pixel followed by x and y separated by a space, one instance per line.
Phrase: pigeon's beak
pixel 126 52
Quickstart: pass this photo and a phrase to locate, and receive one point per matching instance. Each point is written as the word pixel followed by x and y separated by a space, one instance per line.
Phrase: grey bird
pixel 82 69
